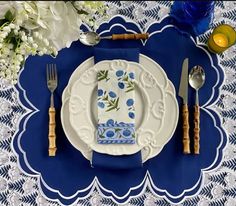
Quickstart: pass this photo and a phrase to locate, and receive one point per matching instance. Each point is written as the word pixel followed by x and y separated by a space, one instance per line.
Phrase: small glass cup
pixel 195 10
pixel 222 37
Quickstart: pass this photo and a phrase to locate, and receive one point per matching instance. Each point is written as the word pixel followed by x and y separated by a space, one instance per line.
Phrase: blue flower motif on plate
pixel 125 80
pixel 108 101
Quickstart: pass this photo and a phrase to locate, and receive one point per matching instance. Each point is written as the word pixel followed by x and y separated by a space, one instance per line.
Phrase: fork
pixel 52 85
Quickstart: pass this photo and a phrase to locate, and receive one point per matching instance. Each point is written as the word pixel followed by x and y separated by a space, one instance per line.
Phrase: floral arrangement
pixel 38 28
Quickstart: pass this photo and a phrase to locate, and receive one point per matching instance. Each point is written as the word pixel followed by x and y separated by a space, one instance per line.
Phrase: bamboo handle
pixel 51 133
pixel 186 141
pixel 130 36
pixel 196 129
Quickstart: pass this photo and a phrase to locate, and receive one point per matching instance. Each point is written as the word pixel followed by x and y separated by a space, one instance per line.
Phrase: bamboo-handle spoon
pixel 196 81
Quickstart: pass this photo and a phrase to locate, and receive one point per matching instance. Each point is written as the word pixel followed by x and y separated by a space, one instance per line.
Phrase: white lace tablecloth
pixel 219 186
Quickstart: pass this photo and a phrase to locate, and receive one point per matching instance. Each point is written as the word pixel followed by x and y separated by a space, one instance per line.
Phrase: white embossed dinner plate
pixel 152 66
pixel 149 107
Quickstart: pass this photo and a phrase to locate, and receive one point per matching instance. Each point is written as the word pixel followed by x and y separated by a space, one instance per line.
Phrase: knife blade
pixel 183 86
pixel 183 93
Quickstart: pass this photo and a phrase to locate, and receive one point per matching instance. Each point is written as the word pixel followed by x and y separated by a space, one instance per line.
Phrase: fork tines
pixel 51 72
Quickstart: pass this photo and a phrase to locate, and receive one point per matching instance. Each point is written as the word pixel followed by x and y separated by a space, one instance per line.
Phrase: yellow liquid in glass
pixel 221 40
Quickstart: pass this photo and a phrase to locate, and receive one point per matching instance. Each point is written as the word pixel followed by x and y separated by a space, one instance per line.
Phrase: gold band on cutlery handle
pixel 196 129
pixel 130 36
pixel 51 133
pixel 186 140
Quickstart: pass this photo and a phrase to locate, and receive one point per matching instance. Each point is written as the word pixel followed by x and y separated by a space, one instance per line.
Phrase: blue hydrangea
pixel 110 133
pixel 100 92
pixel 121 85
pixel 126 133
pixel 130 102
pixel 112 94
pixel 131 115
pixel 131 75
pixel 101 104
pixel 119 73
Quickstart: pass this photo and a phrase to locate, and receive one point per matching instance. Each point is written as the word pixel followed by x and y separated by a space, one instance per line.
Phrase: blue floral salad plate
pixel 155 105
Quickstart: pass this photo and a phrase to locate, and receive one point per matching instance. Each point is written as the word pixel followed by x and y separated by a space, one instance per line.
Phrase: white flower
pixel 45 16
pixel 6 28
pixel 36 34
pixel 44 27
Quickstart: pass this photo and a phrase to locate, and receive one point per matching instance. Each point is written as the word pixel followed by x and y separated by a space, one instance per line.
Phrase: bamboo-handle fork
pixel 52 85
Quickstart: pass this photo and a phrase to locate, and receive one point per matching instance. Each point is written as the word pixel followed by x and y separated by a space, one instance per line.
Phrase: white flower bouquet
pixel 38 28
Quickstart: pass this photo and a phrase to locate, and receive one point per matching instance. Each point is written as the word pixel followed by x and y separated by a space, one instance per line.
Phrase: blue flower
pixel 101 104
pixel 112 94
pixel 131 115
pixel 131 75
pixel 100 92
pixel 126 133
pixel 110 133
pixel 130 102
pixel 119 73
pixel 110 122
pixel 121 85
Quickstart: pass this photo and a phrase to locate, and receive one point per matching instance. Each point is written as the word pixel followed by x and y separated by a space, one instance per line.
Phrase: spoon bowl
pixel 89 38
pixel 197 77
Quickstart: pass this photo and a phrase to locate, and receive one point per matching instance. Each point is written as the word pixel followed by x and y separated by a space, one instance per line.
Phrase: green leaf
pixel 113 101
pixel 102 75
pixel 105 98
pixel 117 129
pixel 117 102
pixel 125 78
pixel 2 21
pixel 9 16
pixel 108 110
pixel 129 90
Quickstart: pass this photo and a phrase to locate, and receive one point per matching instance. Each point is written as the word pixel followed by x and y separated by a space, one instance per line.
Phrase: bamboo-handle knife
pixel 183 93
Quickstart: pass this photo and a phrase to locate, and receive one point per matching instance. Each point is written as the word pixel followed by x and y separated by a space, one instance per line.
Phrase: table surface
pixel 219 186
